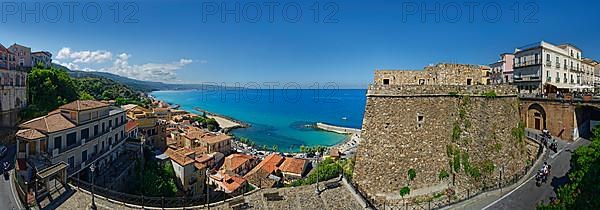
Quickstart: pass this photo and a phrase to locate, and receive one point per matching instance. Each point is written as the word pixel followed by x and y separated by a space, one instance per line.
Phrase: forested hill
pixel 144 86
pixel 50 88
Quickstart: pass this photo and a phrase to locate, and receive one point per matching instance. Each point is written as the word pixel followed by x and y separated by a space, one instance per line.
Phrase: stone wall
pixel 435 128
pixel 440 74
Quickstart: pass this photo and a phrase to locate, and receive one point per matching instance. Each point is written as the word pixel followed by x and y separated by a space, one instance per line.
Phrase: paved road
pixel 8 198
pixel 528 195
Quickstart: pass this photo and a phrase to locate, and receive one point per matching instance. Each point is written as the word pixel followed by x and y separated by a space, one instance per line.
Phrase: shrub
pixel 412 174
pixel 443 174
pixel 404 191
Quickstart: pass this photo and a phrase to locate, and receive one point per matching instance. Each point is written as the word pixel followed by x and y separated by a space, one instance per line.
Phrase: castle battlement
pixel 441 90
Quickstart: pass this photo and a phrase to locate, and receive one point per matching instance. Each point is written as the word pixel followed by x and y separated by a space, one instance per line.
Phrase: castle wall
pixel 429 127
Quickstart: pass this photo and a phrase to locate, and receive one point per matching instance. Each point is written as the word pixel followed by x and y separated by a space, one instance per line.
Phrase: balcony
pixel 548 63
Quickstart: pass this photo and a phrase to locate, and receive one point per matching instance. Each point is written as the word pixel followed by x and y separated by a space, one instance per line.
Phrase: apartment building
pixel 541 67
pixel 22 56
pixel 68 140
pixel 149 127
pixel 191 174
pixel 13 87
pixel 502 70
pixel 41 57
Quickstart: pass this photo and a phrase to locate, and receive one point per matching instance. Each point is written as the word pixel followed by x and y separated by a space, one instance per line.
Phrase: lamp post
pixel 93 204
pixel 207 190
pixel 317 172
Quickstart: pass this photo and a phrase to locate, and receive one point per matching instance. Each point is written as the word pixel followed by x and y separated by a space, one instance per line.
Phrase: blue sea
pixel 277 116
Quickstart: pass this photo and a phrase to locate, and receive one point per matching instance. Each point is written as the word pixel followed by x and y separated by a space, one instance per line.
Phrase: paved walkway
pixel 525 194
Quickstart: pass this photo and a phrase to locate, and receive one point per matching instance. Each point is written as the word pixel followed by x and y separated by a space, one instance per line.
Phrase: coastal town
pixel 105 146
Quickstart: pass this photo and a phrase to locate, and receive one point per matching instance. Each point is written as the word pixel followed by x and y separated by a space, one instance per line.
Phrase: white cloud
pixel 148 71
pixel 165 72
pixel 85 56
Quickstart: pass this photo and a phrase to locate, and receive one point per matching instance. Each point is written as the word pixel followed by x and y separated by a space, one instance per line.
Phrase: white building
pixel 560 66
pixel 74 136
pixel 502 70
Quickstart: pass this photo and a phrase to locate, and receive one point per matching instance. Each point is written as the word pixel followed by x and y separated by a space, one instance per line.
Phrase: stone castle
pixel 441 123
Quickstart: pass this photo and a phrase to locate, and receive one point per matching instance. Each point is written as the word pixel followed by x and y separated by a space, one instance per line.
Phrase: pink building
pixel 502 70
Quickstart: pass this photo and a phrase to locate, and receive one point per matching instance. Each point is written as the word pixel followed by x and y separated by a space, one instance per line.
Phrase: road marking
pixel 555 154
pixel 12 189
pixel 507 194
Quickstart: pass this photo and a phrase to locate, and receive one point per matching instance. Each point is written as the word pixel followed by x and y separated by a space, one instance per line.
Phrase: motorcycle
pixel 553 147
pixel 541 177
pixel 5 173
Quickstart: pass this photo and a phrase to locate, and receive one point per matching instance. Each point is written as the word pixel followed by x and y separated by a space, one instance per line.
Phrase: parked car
pixel 3 150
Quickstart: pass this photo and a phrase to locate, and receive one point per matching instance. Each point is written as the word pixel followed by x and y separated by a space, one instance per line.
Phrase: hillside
pixel 139 85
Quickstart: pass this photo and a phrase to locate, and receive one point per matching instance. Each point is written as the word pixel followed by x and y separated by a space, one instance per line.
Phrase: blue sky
pixel 188 42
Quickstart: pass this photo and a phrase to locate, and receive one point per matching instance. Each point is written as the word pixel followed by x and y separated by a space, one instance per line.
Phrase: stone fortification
pixel 470 133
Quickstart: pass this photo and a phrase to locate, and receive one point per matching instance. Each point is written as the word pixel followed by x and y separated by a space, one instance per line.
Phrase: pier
pixel 338 129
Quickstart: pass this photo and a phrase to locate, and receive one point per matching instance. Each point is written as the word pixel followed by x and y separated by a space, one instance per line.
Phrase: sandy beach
pixel 224 122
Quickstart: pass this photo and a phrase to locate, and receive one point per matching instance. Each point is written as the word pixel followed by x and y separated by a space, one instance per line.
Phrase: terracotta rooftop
pixel 178 158
pixel 235 161
pixel 293 165
pixel 81 105
pixel 49 123
pixel 204 158
pixel 200 166
pixel 30 134
pixel 131 124
pixel 268 165
pixel 185 151
pixel 232 183
pixel 213 139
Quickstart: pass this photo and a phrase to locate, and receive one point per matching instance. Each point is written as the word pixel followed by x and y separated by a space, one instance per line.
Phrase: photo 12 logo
pixel 70 11
pixel 453 12
pixel 253 12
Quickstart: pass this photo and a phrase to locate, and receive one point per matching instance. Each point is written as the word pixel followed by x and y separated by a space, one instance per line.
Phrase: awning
pixel 51 170
pixel 561 85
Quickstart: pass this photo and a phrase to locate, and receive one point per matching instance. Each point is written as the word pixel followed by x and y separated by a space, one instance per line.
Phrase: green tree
pixel 412 174
pixel 404 191
pixel 584 179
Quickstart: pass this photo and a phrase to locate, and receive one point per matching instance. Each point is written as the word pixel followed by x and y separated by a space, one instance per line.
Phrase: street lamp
pixel 207 190
pixel 93 204
pixel 317 172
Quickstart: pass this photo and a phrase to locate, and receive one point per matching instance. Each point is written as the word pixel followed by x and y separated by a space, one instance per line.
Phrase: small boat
pixel 344 118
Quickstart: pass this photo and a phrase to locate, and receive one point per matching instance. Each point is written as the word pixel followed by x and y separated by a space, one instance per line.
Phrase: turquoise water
pixel 278 117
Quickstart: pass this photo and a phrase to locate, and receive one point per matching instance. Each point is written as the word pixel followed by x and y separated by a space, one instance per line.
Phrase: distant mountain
pixel 144 86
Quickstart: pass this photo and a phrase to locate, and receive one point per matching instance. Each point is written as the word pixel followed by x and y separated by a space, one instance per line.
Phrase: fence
pixel 146 201
pixel 452 197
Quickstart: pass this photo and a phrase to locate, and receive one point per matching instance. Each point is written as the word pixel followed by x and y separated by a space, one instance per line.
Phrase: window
pixel 109 140
pixel 420 120
pixel 116 137
pixel 421 81
pixel 84 156
pixel 536 58
pixel 71 162
pixel 386 81
pixel 58 142
pixel 548 57
pixel 71 139
pixel 102 145
pixel 469 81
pixel 103 128
pixel 85 134
pixel 95 130
pixel 109 123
